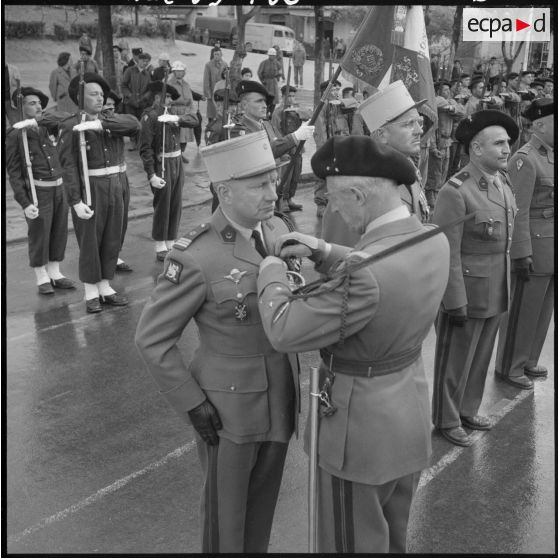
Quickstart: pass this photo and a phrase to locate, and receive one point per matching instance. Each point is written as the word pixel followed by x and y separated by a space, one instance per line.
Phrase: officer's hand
pixel 304 132
pixel 88 125
pixel 206 421
pixel 457 316
pixel 31 212
pixel 24 124
pixel 268 260
pixel 83 211
pixel 168 118
pixel 301 246
pixel 522 267
pixel 157 182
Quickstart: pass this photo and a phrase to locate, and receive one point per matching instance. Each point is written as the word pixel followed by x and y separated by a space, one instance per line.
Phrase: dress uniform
pixel 47 232
pixel 524 328
pixel 210 276
pixel 99 237
pixel 167 201
pixel 478 289
pixel 372 449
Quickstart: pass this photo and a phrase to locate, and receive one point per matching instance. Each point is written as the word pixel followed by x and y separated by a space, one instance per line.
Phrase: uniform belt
pixel 172 154
pixel 39 182
pixel 370 368
pixel 541 213
pixel 106 171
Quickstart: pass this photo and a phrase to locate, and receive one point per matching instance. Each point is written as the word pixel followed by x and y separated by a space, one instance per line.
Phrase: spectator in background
pixel 457 70
pixel 85 56
pixel 359 125
pixel 135 53
pixel 246 73
pixel 205 36
pixel 269 73
pixel 212 74
pixel 494 67
pixel 299 58
pixel 124 50
pixel 149 66
pixel 279 60
pixel 59 80
pixel 348 105
pixel 12 79
pixel 435 66
pixel 158 73
pixel 119 67
pixel 548 88
pixel 85 41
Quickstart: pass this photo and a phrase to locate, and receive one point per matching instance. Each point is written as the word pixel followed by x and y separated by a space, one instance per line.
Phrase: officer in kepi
pixel 524 328
pixel 478 291
pixel 239 394
pixel 369 324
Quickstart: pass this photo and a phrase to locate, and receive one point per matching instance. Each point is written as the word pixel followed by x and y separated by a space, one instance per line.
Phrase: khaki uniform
pixel 210 276
pixel 479 279
pixel 524 329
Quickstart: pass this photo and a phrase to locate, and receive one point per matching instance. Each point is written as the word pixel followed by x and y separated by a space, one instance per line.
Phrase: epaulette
pixel 457 180
pixel 183 243
pixel 525 148
pixel 286 220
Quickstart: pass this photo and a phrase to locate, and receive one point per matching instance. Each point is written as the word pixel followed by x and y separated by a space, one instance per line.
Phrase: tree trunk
pixel 105 40
pixel 240 51
pixel 510 58
pixel 457 25
pixel 318 52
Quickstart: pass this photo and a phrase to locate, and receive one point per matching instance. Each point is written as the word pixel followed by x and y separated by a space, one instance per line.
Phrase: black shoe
pixel 476 423
pixel 114 300
pixel 295 206
pixel 521 382
pixel 123 267
pixel 457 436
pixel 45 289
pixel 63 283
pixel 93 306
pixel 536 371
pixel 161 255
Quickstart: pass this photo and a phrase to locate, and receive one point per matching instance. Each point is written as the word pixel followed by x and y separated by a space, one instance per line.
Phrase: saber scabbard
pixel 29 167
pixel 313 461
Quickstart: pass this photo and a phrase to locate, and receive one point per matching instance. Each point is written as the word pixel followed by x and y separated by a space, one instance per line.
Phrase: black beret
pixel 85 48
pixel 348 88
pixel 250 86
pixel 537 83
pixel 539 108
pixel 292 89
pixel 469 127
pixel 118 47
pixel 31 91
pixel 143 56
pixel 362 156
pixel 113 95
pixel 89 77
pixel 324 84
pixel 462 76
pixel 476 81
pixel 245 71
pixel 157 87
pixel 527 72
pixel 137 50
pixel 512 75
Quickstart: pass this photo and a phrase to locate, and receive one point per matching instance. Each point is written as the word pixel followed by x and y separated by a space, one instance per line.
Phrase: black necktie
pixel 259 245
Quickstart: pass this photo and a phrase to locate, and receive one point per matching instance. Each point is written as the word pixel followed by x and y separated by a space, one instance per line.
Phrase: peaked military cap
pixel 469 127
pixel 157 87
pixel 362 156
pixel 251 86
pixel 88 77
pixel 31 91
pixel 539 108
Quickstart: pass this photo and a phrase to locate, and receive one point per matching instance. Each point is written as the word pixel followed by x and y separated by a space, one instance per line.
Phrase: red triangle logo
pixel 519 25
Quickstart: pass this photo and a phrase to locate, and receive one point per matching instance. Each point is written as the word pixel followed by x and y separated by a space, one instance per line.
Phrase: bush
pixel 60 32
pixel 77 29
pixel 21 29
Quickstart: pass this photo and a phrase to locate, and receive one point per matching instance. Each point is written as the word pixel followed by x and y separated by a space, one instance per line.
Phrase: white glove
pixel 168 118
pixel 31 212
pixel 157 182
pixel 301 246
pixel 83 211
pixel 96 125
pixel 304 132
pixel 29 123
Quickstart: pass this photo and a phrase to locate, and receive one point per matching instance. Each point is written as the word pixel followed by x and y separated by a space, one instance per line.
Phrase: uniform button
pixel 538 235
pixel 466 271
pixel 510 225
pixel 48 156
pixel 509 237
pixel 233 388
pixel 491 220
pixel 507 251
pixel 238 295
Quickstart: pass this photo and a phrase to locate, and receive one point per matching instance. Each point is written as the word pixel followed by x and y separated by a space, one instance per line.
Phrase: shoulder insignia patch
pixel 457 180
pixel 519 164
pixel 183 243
pixel 483 183
pixel 228 234
pixel 173 271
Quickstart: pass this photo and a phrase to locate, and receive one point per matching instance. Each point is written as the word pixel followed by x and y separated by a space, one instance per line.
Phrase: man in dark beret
pixel 369 330
pixel 98 222
pixel 478 291
pixel 47 217
pixel 523 332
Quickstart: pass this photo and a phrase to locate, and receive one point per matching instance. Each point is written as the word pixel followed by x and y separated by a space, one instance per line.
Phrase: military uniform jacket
pixel 445 121
pixel 280 145
pixel 213 280
pixel 531 171
pixel 480 248
pixel 101 146
pixel 381 430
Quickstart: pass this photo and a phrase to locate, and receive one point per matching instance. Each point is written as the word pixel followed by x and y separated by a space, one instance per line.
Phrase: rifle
pixel 82 144
pixel 25 142
pixel 164 101
pixel 225 129
pixel 285 98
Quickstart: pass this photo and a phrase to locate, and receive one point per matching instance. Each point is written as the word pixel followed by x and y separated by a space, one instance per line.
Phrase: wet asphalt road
pixel 97 462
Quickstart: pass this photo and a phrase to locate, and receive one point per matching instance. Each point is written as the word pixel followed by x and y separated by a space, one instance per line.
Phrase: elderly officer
pixel 47 222
pixel 98 227
pixel 524 329
pixel 372 449
pixel 239 394
pixel 478 290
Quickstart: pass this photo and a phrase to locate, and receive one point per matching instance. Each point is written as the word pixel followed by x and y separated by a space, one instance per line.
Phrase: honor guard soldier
pixel 478 291
pixel 524 328
pixel 91 169
pixel 239 394
pixel 159 146
pixel 36 178
pixel 375 434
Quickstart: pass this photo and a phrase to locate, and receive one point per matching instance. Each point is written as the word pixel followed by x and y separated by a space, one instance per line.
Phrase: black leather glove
pixel 457 316
pixel 206 421
pixel 522 267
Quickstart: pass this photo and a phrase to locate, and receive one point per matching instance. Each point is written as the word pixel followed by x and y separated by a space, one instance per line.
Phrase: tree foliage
pixel 353 15
pixel 242 18
pixel 439 21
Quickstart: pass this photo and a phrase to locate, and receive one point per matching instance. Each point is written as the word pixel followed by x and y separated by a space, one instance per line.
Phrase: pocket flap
pixel 475 269
pixel 487 216
pixel 233 374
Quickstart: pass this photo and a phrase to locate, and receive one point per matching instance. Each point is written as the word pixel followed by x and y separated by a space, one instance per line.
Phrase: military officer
pixel 47 222
pixel 372 449
pixel 98 227
pixel 478 289
pixel 239 394
pixel 163 164
pixel 524 328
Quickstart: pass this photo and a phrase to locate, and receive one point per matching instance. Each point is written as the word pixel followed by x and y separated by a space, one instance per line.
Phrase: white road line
pixel 101 493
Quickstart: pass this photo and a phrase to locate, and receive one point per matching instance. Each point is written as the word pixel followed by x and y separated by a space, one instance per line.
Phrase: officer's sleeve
pixel 146 139
pixel 68 153
pixel 15 167
pixel 280 144
pixel 449 207
pixel 178 295
pixel 522 175
pixel 313 323
pixel 120 125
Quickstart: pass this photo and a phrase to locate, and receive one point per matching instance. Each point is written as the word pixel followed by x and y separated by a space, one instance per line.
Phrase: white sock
pixel 91 291
pixel 119 261
pixel 169 243
pixel 104 288
pixel 160 246
pixel 41 275
pixel 53 270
